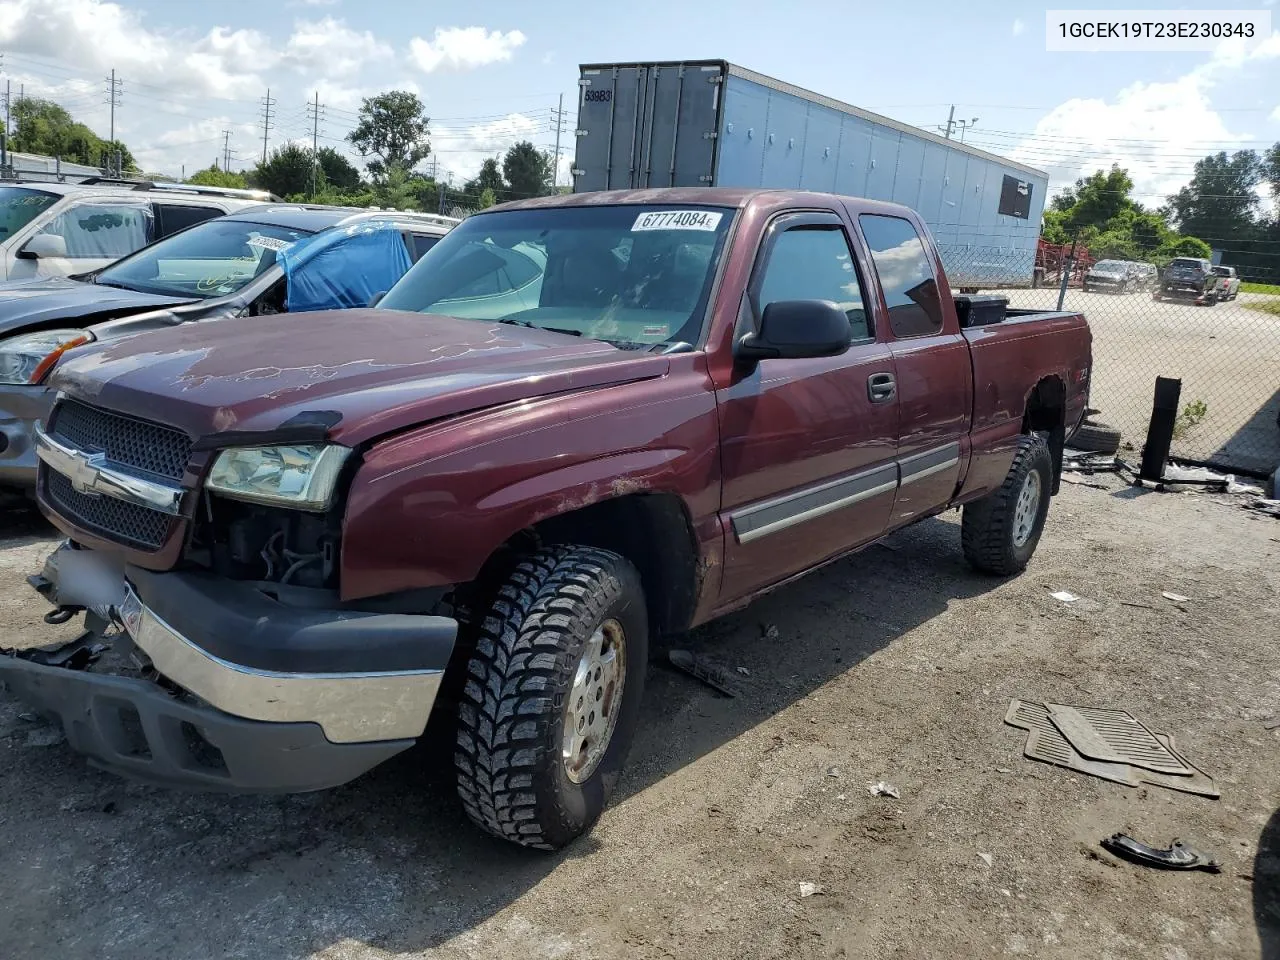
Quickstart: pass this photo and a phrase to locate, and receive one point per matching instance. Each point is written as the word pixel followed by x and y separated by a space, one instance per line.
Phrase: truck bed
pixel 1006 372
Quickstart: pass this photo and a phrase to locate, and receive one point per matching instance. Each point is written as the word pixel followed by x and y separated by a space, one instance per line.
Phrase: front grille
pixel 108 517
pixel 144 446
pixel 133 445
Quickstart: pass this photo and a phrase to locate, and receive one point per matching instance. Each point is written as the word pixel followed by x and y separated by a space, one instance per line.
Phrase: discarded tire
pixel 999 533
pixel 552 696
pixel 1095 438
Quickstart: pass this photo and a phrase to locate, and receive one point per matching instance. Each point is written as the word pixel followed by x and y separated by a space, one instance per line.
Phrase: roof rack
pixel 263 195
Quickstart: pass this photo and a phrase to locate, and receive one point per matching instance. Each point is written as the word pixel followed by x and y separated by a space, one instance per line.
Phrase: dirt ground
pixel 895 665
pixel 1227 357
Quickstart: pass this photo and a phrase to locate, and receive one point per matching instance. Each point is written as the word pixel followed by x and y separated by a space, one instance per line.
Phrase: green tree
pixel 395 129
pixel 489 178
pixel 214 177
pixel 487 198
pixel 286 172
pixel 338 170
pixel 1220 202
pixel 1271 174
pixel 527 170
pixel 1095 199
pixel 396 191
pixel 41 126
pixel 1177 246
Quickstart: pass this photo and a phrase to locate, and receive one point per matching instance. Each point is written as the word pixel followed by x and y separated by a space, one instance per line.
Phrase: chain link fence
pixel 1226 353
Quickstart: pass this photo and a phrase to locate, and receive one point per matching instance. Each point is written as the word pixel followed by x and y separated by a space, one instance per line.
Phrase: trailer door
pixel 647 125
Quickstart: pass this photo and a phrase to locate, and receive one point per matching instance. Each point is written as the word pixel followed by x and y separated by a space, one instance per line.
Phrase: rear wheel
pixel 552 696
pixel 999 533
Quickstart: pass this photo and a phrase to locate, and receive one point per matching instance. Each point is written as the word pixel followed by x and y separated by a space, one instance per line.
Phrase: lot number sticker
pixel 269 243
pixel 677 220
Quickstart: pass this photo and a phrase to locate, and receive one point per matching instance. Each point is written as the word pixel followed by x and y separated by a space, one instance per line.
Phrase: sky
pixel 490 74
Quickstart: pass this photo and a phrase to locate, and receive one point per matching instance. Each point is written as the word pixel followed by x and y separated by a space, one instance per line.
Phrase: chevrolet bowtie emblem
pixel 84 473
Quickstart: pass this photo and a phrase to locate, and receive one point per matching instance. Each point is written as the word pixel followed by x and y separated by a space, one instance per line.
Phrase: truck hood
pixel 362 373
pixel 75 303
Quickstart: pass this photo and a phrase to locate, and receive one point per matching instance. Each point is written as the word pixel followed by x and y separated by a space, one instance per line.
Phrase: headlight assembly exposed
pixel 302 476
pixel 28 357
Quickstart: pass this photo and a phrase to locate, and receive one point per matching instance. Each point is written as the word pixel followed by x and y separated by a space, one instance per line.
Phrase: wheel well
pixel 651 530
pixel 1046 413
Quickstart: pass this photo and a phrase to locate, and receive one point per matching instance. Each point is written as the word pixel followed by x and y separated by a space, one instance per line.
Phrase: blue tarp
pixel 344 267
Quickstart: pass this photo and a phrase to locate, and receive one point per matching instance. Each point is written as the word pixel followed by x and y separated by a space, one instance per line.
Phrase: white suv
pixel 59 229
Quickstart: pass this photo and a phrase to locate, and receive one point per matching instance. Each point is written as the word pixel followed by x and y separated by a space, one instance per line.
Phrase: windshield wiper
pixel 106 283
pixel 512 321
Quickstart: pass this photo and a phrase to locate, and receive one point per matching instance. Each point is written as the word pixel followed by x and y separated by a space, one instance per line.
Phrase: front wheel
pixel 999 533
pixel 552 696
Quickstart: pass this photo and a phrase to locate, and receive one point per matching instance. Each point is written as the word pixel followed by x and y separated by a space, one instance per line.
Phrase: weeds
pixel 1192 413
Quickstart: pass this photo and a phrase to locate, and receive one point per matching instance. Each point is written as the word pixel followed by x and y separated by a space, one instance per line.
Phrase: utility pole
pixel 558 117
pixel 7 96
pixel 951 121
pixel 113 98
pixel 267 104
pixel 314 109
pixel 226 151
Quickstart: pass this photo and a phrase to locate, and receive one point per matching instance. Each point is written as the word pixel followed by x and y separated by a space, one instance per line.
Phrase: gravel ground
pixel 1227 356
pixel 896 665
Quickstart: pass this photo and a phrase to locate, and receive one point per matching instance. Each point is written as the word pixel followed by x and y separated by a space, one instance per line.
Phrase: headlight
pixel 27 358
pixel 301 476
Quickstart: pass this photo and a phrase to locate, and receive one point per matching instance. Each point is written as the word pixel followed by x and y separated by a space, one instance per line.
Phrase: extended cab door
pixel 935 375
pixel 807 446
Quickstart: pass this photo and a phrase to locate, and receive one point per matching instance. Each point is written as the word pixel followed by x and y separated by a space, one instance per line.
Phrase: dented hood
pixel 365 373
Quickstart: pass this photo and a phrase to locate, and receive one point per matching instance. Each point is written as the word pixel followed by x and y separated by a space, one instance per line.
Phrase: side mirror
pixel 796 329
pixel 377 298
pixel 43 246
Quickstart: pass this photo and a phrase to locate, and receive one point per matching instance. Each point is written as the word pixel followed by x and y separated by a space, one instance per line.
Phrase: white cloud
pixel 1018 27
pixel 330 48
pixel 1275 114
pixel 314 3
pixel 99 36
pixel 1154 130
pixel 463 48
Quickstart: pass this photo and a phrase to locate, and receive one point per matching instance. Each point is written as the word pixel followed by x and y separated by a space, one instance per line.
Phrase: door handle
pixel 881 387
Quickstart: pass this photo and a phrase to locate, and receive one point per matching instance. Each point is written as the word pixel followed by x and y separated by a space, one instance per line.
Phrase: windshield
pixel 1112 266
pixel 628 275
pixel 1186 262
pixel 211 259
pixel 1222 271
pixel 19 206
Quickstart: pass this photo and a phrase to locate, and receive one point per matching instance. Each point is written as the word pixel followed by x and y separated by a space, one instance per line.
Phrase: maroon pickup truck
pixel 577 423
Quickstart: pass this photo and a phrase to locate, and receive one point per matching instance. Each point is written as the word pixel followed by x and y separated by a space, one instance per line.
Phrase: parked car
pixel 1145 275
pixel 1111 276
pixel 1189 278
pixel 59 229
pixel 283 258
pixel 1229 283
pixel 312 536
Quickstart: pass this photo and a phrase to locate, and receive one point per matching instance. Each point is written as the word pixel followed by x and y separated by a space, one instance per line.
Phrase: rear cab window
pixel 906 275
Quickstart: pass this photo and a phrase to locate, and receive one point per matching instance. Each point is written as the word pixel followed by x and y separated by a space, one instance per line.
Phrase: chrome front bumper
pixel 353 699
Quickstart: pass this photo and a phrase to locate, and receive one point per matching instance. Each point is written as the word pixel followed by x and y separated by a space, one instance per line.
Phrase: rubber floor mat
pixel 1115 736
pixel 1046 743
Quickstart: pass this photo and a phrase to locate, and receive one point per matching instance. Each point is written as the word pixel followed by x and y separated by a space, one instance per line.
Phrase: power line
pixel 315 111
pixel 267 104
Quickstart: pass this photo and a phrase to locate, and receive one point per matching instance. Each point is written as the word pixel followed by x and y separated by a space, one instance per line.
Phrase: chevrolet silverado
pixel 577 422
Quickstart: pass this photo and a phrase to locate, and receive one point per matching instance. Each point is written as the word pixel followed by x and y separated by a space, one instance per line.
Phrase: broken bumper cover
pixel 291 698
pixel 22 407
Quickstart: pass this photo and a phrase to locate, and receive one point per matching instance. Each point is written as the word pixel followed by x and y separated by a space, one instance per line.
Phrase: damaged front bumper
pixel 225 687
